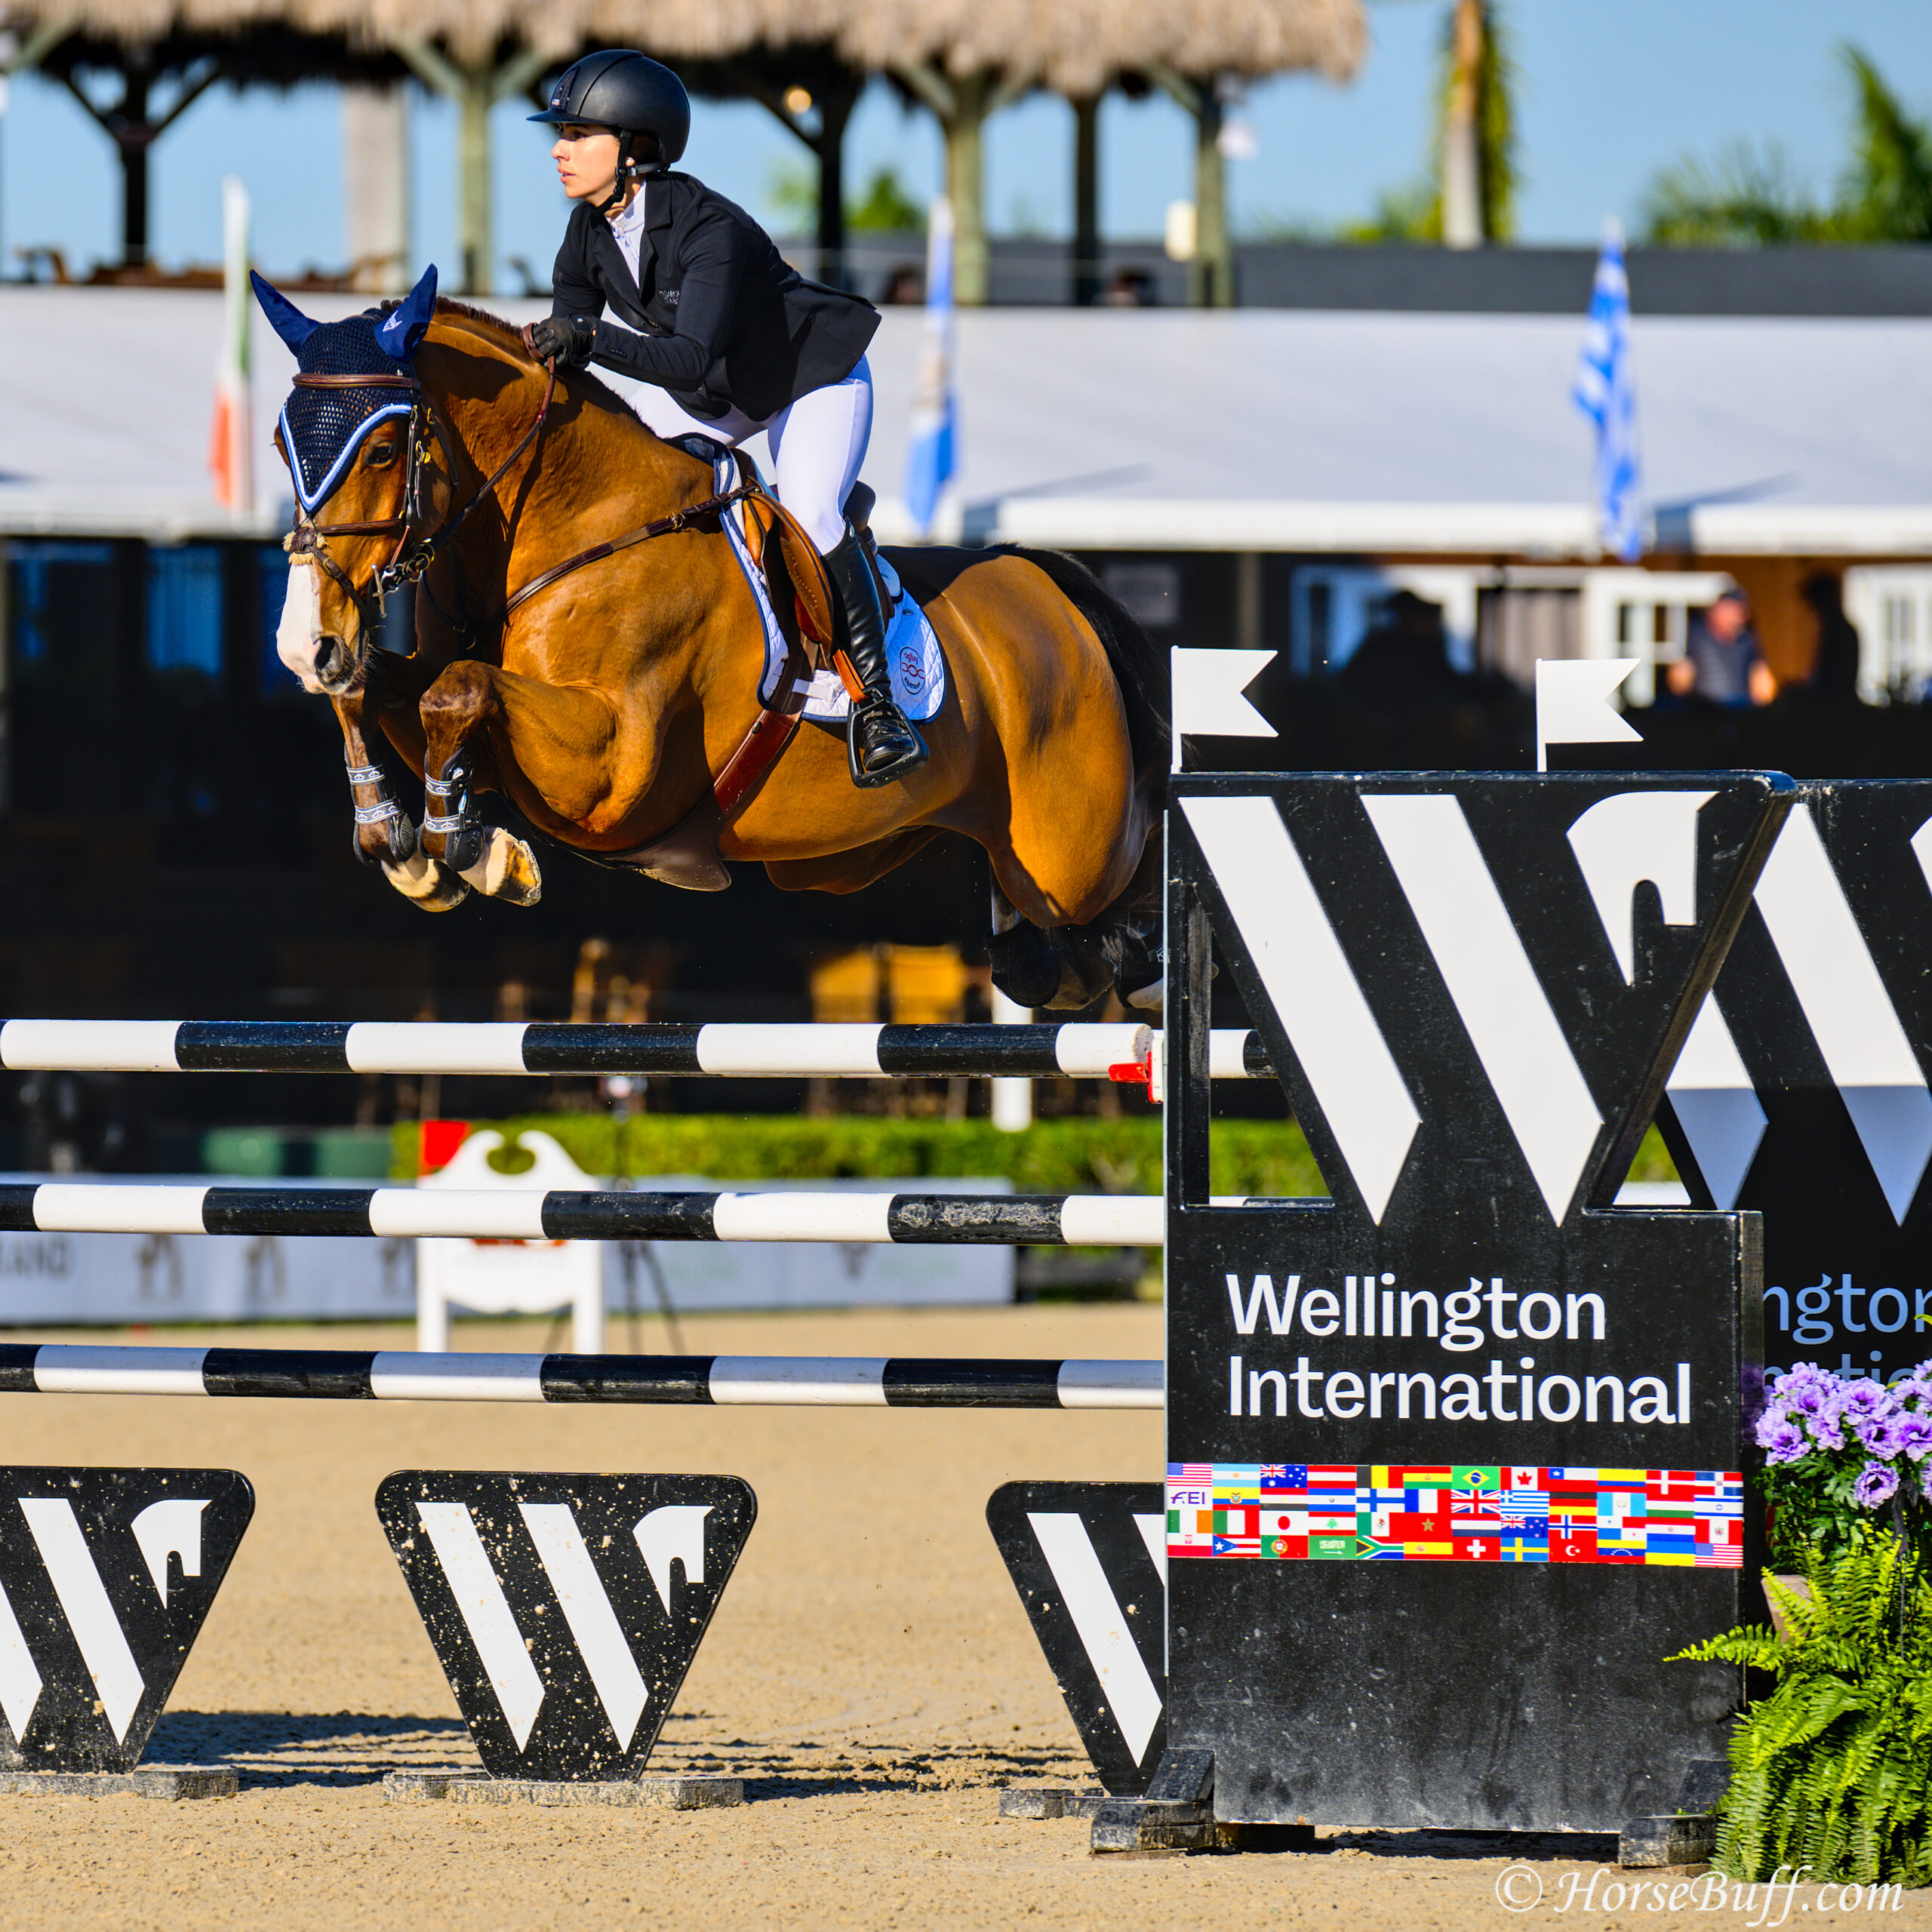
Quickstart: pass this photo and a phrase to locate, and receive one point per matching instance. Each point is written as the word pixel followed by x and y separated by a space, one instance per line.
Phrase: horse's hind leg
pixel 1044 966
pixel 1066 968
pixel 385 834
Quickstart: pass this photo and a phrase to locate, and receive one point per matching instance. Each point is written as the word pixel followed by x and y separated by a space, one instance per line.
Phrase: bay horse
pixel 604 701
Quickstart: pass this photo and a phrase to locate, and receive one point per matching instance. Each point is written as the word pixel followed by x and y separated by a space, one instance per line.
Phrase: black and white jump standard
pixel 1455 1458
pixel 1805 1090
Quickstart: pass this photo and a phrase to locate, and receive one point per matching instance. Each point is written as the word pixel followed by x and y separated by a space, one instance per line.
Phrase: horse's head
pixel 349 445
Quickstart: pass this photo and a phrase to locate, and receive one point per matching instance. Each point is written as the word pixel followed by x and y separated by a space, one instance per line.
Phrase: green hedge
pixel 1051 1157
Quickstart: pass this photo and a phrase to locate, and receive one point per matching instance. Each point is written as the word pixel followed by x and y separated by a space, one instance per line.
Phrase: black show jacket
pixel 716 316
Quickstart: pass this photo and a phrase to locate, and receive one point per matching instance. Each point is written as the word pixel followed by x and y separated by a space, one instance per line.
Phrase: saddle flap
pixel 794 566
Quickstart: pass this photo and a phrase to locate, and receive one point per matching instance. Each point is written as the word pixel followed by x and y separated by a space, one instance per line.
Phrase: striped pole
pixel 1076 1220
pixel 808 1381
pixel 539 1047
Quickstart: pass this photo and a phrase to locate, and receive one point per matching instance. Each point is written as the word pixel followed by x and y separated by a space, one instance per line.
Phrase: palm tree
pixel 1888 194
pixel 1469 197
pixel 1745 197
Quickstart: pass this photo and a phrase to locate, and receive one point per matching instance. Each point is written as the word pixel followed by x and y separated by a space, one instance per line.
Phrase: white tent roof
pixel 1106 430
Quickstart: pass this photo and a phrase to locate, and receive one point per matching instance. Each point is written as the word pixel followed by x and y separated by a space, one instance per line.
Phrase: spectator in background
pixel 1129 288
pixel 1834 663
pixel 1401 667
pixel 1723 663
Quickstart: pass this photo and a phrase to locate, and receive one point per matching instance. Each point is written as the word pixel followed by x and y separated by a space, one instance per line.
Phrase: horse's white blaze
pixel 299 636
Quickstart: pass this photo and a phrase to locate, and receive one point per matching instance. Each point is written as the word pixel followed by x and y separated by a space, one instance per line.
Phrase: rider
pixel 731 339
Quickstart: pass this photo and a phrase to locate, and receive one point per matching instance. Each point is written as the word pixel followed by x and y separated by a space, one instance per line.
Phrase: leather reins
pixel 409 563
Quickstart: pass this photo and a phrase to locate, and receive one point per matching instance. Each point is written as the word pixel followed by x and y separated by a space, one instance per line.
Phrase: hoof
pixel 1024 966
pixel 1084 977
pixel 506 871
pixel 424 882
pixel 1148 999
pixel 394 842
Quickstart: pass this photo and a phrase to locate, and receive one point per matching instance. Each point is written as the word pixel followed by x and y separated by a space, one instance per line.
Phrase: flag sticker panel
pixel 1465 1512
pixel 565 1610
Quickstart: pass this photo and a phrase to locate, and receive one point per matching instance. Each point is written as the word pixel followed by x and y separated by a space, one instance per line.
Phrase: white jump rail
pixel 805 1381
pixel 1077 1220
pixel 749 1052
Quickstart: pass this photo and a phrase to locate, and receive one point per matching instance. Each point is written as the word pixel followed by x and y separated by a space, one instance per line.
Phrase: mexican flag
pixel 231 438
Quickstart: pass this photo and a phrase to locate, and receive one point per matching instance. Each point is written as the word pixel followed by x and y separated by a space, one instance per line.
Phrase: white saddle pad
pixel 912 650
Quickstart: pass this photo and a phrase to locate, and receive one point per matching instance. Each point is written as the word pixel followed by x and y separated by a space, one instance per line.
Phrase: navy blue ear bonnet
pixel 322 429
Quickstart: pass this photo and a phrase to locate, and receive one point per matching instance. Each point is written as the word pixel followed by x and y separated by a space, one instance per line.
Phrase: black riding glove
pixel 565 339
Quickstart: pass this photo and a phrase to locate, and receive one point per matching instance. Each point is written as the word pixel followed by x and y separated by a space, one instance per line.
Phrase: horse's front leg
pixel 482 725
pixel 384 834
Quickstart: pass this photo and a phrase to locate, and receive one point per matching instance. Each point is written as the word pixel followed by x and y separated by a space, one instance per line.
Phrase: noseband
pixel 416 547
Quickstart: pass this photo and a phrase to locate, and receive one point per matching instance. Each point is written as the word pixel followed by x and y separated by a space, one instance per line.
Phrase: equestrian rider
pixel 730 338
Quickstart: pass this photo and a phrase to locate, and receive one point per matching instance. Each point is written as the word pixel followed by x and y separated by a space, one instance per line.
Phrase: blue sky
pixel 1610 90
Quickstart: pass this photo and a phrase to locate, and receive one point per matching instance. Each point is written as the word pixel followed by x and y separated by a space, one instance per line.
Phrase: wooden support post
pixel 1087 200
pixel 475 90
pixel 1210 274
pixel 963 105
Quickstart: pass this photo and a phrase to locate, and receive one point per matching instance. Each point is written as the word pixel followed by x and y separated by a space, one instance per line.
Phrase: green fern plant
pixel 1831 1774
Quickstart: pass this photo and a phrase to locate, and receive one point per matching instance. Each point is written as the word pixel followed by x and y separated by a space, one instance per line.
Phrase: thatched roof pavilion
pixel 806 59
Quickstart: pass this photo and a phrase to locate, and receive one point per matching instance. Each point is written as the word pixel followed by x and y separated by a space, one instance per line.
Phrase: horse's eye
pixel 381 455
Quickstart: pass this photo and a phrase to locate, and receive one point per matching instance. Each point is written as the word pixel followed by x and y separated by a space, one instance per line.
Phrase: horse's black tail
pixel 1140 666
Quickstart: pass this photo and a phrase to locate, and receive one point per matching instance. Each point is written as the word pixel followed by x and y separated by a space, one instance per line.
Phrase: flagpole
pixel 231 450
pixel 932 445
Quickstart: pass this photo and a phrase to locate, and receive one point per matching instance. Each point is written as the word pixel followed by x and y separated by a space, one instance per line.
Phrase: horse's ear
pixel 408 322
pixel 288 321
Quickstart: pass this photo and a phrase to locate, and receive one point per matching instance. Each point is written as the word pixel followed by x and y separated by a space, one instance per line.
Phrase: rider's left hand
pixel 568 339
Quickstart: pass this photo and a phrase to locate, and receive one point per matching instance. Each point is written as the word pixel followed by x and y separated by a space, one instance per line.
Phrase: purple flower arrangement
pixel 1836 1451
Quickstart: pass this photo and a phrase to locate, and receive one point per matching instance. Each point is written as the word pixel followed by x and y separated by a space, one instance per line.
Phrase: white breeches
pixel 817 444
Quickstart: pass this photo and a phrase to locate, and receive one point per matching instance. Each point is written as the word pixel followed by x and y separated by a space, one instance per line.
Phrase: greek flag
pixel 930 453
pixel 1604 392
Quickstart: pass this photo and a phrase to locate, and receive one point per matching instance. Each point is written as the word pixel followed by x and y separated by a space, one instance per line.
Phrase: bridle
pixel 417 546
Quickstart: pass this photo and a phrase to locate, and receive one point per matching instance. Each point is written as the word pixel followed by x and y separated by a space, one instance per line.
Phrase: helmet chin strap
pixel 632 168
pixel 630 173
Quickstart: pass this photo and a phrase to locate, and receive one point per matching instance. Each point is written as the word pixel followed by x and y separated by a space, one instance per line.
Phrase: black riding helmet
pixel 627 93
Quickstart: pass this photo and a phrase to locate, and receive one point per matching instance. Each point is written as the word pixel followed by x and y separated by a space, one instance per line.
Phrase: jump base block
pixel 669 1793
pixel 1051 1800
pixel 1684 1838
pixel 1687 1836
pixel 168 1782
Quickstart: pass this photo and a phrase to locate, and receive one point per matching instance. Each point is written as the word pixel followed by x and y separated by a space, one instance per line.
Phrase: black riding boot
pixel 881 742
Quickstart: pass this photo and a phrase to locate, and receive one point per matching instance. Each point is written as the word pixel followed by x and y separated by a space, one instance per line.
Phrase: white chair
pixel 509 1277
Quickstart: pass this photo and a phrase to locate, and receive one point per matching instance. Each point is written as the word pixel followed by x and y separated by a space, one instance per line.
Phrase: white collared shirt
pixel 628 228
